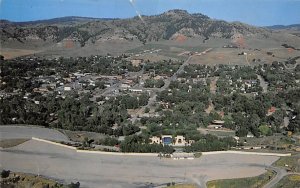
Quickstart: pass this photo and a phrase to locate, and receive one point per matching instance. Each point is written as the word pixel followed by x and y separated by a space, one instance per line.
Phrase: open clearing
pixel 13 53
pixel 289 181
pixel 94 170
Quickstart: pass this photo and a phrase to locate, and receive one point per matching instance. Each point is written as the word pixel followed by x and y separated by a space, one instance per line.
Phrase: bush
pixel 5 173
pixel 74 185
pixel 197 155
pixel 147 110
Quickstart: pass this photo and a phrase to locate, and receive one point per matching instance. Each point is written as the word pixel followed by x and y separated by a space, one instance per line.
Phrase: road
pixel 152 99
pixel 167 81
pixel 280 173
pixel 263 83
pixel 97 170
pixel 175 75
pixel 293 67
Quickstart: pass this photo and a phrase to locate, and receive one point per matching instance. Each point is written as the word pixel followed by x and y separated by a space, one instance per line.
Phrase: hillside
pixel 80 36
pixel 289 27
pixel 163 26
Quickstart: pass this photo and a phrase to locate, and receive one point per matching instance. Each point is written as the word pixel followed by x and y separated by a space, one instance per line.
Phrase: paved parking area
pixel 96 170
pixel 14 131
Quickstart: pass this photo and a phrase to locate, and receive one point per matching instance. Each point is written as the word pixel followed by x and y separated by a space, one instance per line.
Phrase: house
pixel 136 90
pixel 242 53
pixel 250 135
pixel 136 62
pixel 216 124
pixel 155 140
pixel 178 140
pixel 125 86
pixel 67 88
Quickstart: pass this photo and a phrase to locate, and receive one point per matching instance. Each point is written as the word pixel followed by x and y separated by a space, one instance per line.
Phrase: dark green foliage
pixel 164 67
pixel 211 143
pixel 74 185
pixel 5 173
pixel 108 141
pixel 133 102
pixel 278 77
pixel 151 83
pixel 139 144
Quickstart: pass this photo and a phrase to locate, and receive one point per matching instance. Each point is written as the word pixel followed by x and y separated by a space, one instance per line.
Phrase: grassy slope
pixel 290 181
pixel 292 163
pixel 257 181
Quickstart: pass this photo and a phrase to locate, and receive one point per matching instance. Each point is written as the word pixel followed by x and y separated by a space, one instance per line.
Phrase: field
pixel 22 180
pixel 219 133
pixel 290 181
pixel 13 53
pixel 291 163
pixel 251 182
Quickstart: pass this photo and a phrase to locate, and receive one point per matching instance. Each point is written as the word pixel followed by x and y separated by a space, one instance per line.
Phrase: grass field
pixel 252 182
pixel 7 143
pixel 12 53
pixel 166 50
pixel 292 163
pixel 290 181
pixel 21 180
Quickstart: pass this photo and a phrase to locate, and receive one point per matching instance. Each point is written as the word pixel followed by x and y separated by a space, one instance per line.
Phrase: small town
pixel 160 94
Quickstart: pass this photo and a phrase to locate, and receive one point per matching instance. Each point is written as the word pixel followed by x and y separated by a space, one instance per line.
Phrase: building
pixel 136 62
pixel 216 124
pixel 178 140
pixel 166 139
pixel 155 140
pixel 67 88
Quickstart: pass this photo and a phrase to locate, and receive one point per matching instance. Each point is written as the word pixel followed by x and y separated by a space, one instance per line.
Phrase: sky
pixel 254 12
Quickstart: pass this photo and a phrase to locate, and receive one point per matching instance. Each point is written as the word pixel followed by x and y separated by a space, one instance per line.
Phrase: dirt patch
pixel 213 85
pixel 8 143
pixel 13 53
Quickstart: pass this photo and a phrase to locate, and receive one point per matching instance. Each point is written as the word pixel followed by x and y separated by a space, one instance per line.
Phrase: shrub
pixel 5 173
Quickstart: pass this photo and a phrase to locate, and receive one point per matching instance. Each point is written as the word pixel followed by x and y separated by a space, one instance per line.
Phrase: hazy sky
pixel 255 12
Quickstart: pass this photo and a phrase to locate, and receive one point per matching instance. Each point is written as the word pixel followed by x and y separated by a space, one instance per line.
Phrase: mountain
pixel 63 20
pixel 287 27
pixel 152 28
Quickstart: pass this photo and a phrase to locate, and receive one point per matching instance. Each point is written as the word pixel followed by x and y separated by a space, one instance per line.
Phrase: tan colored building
pixel 136 62
pixel 155 140
pixel 179 140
